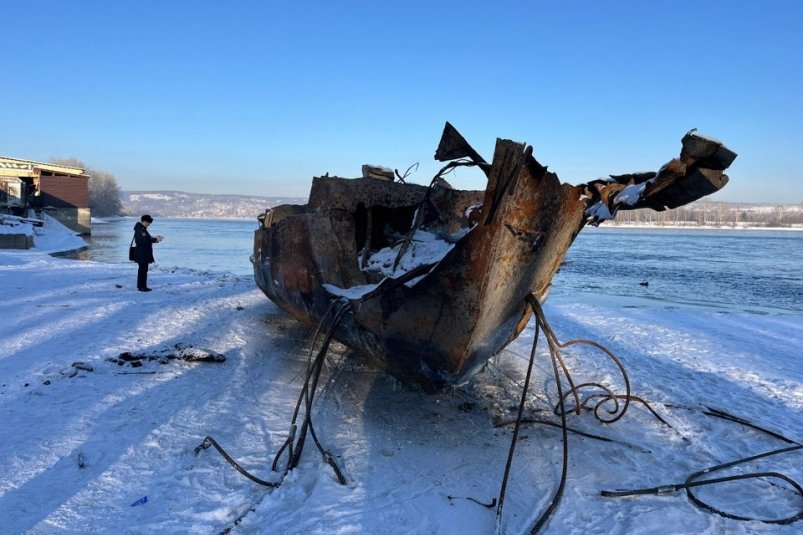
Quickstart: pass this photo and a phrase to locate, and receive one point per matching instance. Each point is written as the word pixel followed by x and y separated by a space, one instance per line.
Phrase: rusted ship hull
pixel 436 321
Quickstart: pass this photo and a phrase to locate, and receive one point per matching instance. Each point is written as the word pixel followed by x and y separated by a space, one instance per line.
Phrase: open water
pixel 203 244
pixel 756 271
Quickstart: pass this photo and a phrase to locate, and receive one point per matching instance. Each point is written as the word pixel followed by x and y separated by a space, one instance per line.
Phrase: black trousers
pixel 142 275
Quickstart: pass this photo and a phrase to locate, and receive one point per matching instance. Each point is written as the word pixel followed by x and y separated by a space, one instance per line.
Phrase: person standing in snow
pixel 143 250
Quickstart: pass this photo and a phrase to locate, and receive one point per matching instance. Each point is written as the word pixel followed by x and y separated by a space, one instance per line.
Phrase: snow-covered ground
pixel 51 237
pixel 81 450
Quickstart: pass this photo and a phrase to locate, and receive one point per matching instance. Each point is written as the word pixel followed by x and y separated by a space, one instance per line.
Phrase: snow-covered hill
pixel 701 213
pixel 182 204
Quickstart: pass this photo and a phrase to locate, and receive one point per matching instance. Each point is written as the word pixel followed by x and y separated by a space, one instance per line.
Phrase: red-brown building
pixel 58 190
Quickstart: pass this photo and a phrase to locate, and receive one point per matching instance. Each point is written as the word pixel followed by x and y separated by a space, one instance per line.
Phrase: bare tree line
pixel 719 214
pixel 104 193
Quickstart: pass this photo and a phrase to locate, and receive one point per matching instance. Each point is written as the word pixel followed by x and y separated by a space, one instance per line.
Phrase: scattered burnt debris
pixel 180 351
pixel 82 366
pixel 437 277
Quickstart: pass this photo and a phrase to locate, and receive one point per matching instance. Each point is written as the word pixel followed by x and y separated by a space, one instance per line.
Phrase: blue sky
pixel 258 97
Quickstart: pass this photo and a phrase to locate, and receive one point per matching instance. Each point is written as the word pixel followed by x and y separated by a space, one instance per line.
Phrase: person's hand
pixel 159 238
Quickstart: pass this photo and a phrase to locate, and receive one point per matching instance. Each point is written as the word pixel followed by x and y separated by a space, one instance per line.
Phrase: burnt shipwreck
pixel 437 278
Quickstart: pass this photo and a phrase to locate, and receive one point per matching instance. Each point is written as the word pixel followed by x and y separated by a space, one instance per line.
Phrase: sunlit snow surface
pixel 78 447
pixel 51 237
pixel 425 248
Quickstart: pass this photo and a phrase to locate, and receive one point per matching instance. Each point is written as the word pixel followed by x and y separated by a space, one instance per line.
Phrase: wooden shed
pixel 58 190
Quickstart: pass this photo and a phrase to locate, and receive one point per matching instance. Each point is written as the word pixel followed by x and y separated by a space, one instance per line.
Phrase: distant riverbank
pixel 608 224
pixel 693 226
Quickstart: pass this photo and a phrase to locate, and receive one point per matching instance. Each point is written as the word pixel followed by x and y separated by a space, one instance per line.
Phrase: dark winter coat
pixel 144 244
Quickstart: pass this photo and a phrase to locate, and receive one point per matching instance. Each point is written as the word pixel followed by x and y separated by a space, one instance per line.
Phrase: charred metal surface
pixel 438 321
pixel 696 173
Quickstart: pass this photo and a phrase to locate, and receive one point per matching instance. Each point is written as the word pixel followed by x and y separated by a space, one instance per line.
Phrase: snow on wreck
pixel 437 278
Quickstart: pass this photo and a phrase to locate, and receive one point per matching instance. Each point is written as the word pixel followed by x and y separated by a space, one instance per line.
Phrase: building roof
pixel 29 168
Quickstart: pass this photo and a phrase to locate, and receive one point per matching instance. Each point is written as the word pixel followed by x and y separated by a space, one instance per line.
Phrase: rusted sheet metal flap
pixel 509 158
pixel 454 146
pixel 706 152
pixel 696 173
pixel 689 188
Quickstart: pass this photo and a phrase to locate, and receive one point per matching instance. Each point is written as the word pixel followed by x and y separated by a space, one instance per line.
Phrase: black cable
pixel 291 435
pixel 693 480
pixel 509 462
pixel 560 409
pixel 570 430
pixel 308 395
pixel 716 413
pixel 555 354
pixel 294 447
pixel 209 441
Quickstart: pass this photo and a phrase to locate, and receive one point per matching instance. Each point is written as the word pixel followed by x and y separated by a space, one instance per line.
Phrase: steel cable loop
pixel 558 364
pixel 305 397
pixel 327 455
pixel 610 397
pixel 632 398
pixel 693 480
pixel 314 367
pixel 690 483
pixel 617 412
pixel 289 442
